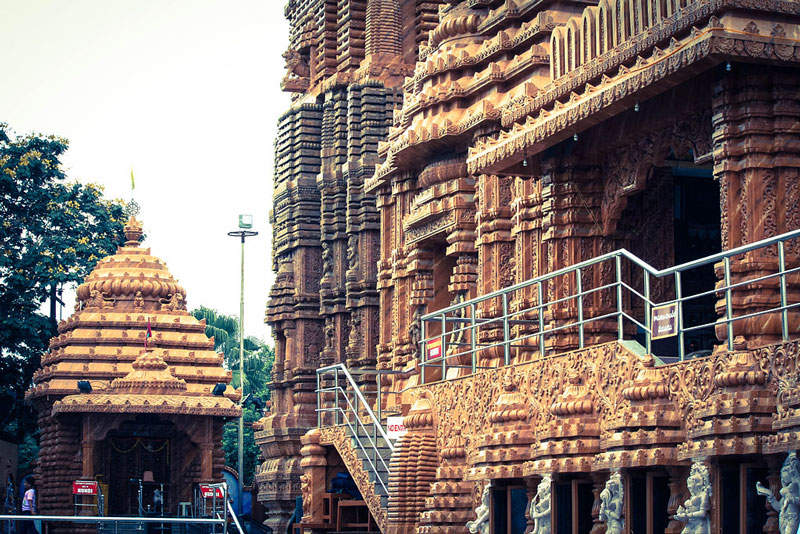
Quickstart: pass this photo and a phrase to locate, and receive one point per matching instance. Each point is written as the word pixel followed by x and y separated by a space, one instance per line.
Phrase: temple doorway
pixel 676 219
pixel 137 463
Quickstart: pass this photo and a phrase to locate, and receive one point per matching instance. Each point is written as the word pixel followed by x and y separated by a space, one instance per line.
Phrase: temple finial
pixel 133 232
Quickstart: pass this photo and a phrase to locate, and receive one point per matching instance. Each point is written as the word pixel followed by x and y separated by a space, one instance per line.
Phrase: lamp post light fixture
pixel 245 223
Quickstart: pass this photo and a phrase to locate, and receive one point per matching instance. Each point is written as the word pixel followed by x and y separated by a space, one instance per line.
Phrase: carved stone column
pixel 571 233
pixel 757 163
pixel 312 480
pixel 598 483
pixel 496 259
pixel 774 480
pixel 677 475
pixel 526 230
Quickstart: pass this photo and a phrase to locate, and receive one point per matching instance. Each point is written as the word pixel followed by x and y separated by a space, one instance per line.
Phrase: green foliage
pixel 258 361
pixel 258 357
pixel 51 234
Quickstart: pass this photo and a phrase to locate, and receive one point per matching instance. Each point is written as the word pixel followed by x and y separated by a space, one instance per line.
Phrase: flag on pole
pixel 133 183
pixel 149 333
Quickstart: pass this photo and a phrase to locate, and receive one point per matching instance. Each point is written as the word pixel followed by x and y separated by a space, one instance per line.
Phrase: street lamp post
pixel 245 223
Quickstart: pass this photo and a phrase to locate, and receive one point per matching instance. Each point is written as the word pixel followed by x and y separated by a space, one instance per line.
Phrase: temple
pixel 125 393
pixel 558 240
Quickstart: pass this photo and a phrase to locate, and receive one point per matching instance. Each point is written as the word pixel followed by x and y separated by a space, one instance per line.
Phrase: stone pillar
pixel 312 480
pixel 526 231
pixel 757 162
pixel 677 475
pixel 571 233
pixel 496 260
pixel 598 483
pixel 774 480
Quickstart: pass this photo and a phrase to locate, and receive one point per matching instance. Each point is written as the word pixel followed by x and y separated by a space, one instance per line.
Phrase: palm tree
pixel 258 357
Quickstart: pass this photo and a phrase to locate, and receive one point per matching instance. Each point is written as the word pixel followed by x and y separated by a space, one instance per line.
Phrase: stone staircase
pixel 374 461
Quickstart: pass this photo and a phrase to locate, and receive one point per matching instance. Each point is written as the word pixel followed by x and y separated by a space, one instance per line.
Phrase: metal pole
pixel 539 289
pixel 319 405
pixel 506 332
pixel 784 311
pixel 620 325
pixel 579 287
pixel 728 302
pixel 423 349
pixel 241 385
pixel 647 322
pixel 473 335
pixel 444 342
pixel 679 297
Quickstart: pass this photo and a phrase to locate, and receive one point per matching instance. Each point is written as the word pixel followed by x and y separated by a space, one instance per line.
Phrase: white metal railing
pixel 347 403
pixel 459 327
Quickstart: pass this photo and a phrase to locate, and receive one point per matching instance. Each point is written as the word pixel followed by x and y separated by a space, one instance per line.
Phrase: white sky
pixel 184 91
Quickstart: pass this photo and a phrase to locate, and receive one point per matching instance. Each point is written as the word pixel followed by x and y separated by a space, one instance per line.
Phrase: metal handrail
pixel 462 323
pixel 376 455
pixel 352 408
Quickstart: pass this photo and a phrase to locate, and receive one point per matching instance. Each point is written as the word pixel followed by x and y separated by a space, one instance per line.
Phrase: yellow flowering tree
pixel 52 232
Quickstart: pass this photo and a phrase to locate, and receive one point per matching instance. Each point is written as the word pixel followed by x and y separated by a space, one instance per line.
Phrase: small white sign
pixel 395 427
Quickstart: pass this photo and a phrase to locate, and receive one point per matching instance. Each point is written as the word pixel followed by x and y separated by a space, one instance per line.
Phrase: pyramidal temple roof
pixel 103 342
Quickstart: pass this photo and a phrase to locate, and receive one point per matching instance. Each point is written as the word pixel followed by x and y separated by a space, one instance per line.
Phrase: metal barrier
pixel 460 321
pixel 349 414
pixel 215 524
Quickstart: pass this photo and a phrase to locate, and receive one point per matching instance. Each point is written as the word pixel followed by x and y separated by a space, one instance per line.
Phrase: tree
pixel 52 232
pixel 258 361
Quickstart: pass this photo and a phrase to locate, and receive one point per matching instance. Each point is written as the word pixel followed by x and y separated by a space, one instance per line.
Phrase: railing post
pixel 506 332
pixel 539 294
pixel 423 350
pixel 336 392
pixel 679 298
pixel 379 396
pixel 579 288
pixel 728 301
pixel 444 343
pixel 473 336
pixel 784 311
pixel 647 322
pixel 319 405
pixel 620 325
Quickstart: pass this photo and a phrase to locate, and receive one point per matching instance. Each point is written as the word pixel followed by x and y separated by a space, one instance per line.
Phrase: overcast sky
pixel 186 92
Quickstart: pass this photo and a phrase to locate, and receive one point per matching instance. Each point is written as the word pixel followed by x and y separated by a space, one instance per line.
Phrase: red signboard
pixel 84 487
pixel 434 348
pixel 207 491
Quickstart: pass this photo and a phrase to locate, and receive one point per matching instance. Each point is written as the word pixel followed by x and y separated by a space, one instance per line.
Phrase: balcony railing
pixel 612 295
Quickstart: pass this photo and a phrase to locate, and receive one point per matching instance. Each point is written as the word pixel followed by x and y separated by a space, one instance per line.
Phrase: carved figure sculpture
pixel 327 260
pixel 414 331
pixel 611 504
pixel 296 64
pixel 788 506
pixel 97 300
pixel 695 510
pixel 352 253
pixel 540 507
pixel 481 523
pixel 138 301
pixel 173 303
pixel 305 489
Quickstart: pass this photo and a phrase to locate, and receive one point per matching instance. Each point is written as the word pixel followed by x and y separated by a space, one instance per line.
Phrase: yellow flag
pixel 133 184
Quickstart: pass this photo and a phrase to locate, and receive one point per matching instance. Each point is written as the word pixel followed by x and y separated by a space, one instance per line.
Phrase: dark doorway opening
pixel 137 458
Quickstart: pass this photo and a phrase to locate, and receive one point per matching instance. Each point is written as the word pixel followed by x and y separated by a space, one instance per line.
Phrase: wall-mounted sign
pixel 665 321
pixel 395 427
pixel 434 348
pixel 84 487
